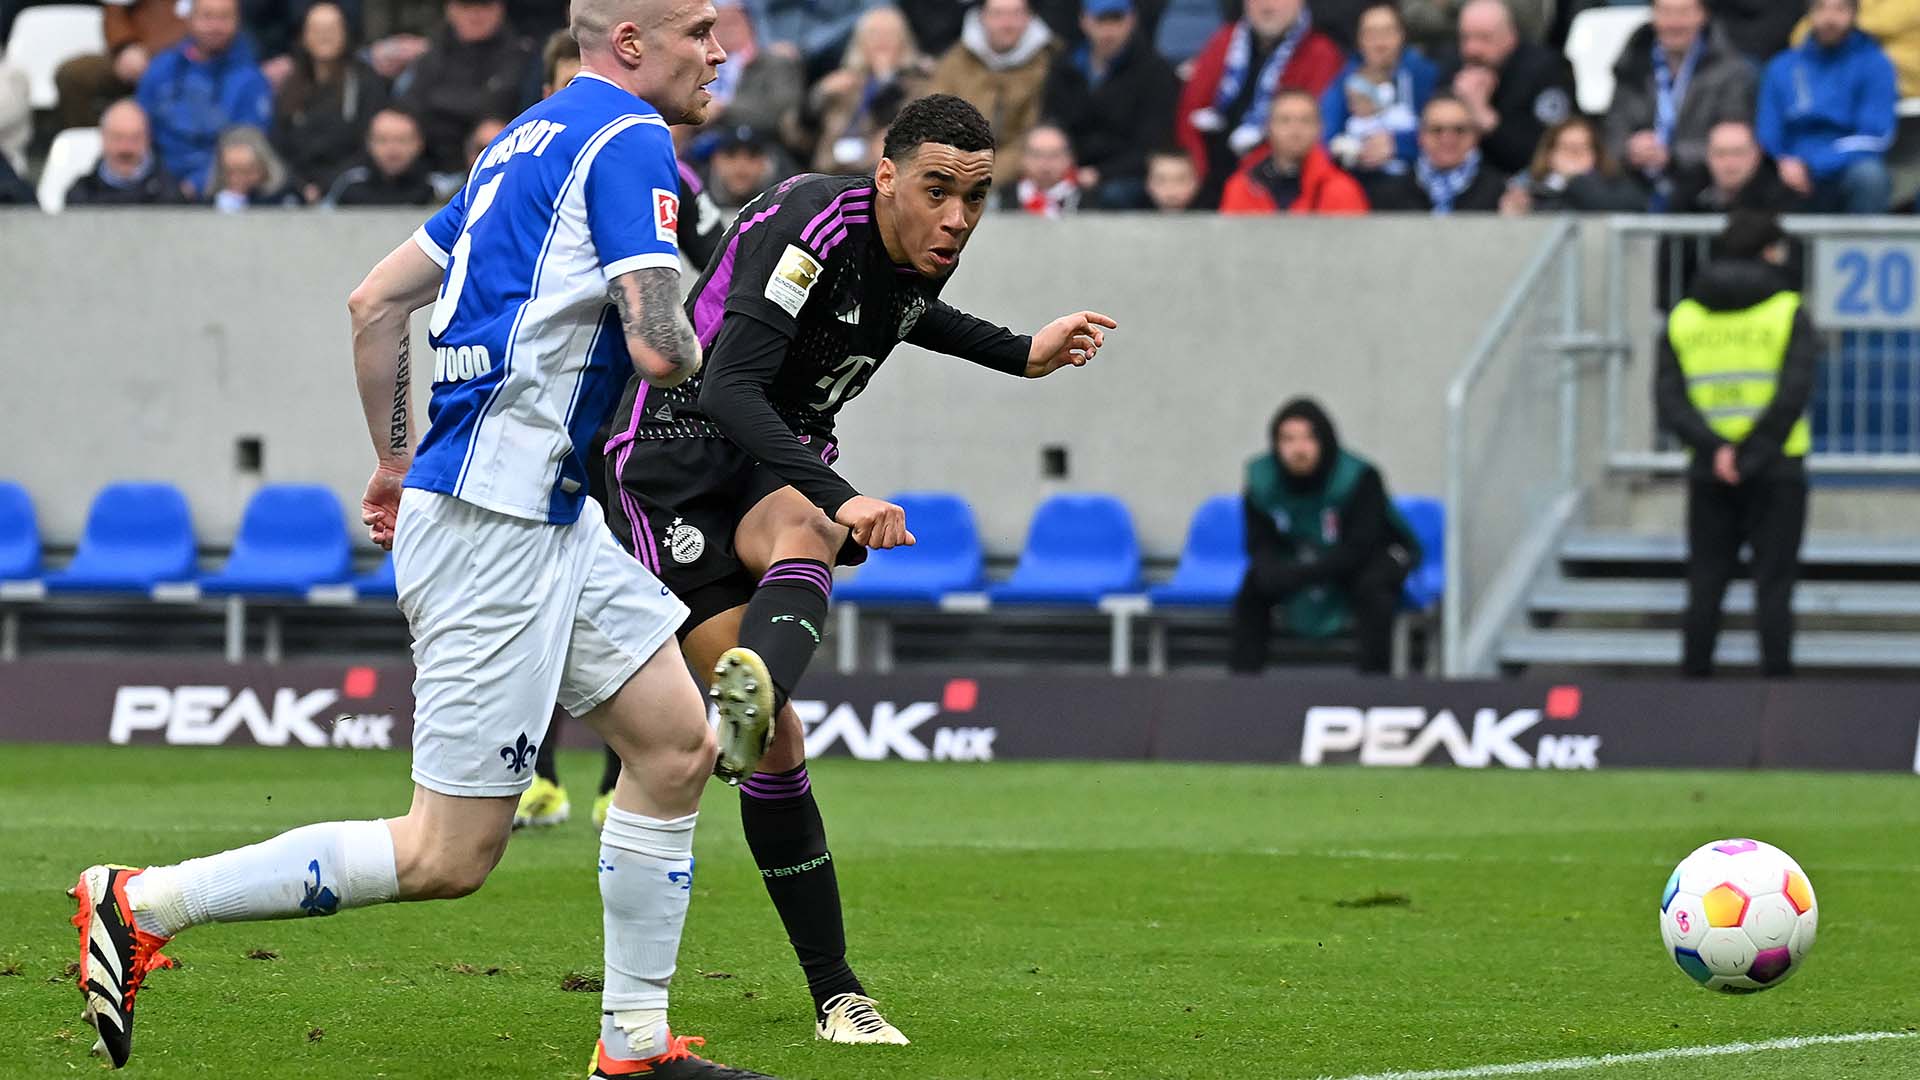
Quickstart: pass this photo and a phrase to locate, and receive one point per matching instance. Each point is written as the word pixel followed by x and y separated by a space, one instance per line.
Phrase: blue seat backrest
pixel 19 534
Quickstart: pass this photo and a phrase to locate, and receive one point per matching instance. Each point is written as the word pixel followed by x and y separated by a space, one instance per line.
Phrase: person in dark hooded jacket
pixel 1736 369
pixel 1323 539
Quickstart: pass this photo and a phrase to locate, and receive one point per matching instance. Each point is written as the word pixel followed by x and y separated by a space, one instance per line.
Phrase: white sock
pixel 646 878
pixel 313 870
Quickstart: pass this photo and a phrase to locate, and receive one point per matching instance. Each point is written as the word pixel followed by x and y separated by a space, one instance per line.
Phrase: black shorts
pixel 676 503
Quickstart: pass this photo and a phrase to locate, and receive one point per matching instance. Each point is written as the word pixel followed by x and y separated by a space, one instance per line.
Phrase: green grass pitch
pixel 1019 921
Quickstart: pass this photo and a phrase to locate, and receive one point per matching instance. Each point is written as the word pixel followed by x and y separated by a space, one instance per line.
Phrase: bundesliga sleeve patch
pixel 793 279
pixel 666 215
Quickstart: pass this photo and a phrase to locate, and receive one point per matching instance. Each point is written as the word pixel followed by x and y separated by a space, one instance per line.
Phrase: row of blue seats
pixel 1081 549
pixel 293 538
pixel 139 536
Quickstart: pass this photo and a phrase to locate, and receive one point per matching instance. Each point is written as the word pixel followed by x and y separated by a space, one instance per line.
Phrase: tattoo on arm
pixel 402 392
pixel 648 301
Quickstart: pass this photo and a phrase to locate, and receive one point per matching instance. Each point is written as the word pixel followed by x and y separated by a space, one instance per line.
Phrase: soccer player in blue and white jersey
pixel 556 275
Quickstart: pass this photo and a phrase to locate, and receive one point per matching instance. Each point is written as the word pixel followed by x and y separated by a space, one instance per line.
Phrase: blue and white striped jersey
pixel 528 355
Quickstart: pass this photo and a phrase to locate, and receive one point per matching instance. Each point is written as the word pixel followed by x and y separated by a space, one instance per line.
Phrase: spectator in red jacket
pixel 1223 109
pixel 1292 172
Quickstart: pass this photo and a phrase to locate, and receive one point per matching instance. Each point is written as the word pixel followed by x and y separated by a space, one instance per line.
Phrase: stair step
pixel 1834 549
pixel 1814 649
pixel 1636 597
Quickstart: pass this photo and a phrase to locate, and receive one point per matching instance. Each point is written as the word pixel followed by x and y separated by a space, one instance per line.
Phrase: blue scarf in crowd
pixel 1443 186
pixel 1669 92
pixel 1252 130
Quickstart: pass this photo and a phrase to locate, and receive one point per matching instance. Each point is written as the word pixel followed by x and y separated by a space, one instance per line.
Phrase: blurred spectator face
pixel 740 171
pixel 324 34
pixel 1048 159
pixel 483 135
pixel 1005 22
pixel 1447 134
pixel 1297 446
pixel 394 142
pixel 1293 127
pixel 212 24
pixel 1172 181
pixel 881 40
pixel 241 170
pixel 1733 157
pixel 1107 34
pixel 1678 23
pixel 1271 18
pixel 475 20
pixel 1381 39
pixel 1573 152
pixel 1487 34
pixel 1832 20
pixel 124 142
pixel 733 29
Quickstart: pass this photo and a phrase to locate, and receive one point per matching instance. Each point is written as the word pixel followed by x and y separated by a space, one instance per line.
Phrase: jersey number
pixel 457 262
pixel 842 377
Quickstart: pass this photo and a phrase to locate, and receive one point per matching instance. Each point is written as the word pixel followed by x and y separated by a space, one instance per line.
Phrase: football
pixel 1738 916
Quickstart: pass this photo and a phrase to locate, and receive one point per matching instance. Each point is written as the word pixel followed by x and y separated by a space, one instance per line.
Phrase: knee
pixel 823 535
pixel 682 761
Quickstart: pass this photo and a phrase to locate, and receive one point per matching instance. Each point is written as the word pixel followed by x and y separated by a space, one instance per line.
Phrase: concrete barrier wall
pixel 144 344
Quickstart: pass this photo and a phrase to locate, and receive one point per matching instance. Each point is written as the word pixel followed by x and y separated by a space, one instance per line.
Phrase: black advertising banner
pixel 931 718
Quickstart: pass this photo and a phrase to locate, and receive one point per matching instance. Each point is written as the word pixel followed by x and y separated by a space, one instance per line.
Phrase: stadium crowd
pixel 1303 106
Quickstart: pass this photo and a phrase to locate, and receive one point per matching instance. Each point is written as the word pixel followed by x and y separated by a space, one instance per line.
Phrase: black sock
pixel 784 618
pixel 789 843
pixel 609 772
pixel 544 765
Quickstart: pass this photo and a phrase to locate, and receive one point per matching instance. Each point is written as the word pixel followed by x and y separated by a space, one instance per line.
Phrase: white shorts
pixel 508 617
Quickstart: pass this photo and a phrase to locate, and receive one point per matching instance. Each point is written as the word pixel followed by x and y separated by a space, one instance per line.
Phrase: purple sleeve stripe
pixel 840 202
pixel 712 304
pixel 841 233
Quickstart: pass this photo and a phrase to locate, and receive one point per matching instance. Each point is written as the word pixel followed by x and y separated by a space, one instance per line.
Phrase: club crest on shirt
pixel 916 306
pixel 793 279
pixel 684 542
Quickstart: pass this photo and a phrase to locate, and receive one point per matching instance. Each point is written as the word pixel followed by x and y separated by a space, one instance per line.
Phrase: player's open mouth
pixel 944 256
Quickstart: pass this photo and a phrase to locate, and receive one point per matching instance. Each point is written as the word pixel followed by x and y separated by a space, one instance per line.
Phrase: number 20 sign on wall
pixel 1862 284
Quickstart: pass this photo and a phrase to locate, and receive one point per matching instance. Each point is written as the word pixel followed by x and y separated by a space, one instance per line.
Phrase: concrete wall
pixel 143 344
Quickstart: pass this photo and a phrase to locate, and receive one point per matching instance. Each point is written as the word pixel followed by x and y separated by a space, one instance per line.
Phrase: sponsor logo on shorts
pixel 685 543
pixel 520 755
pixel 793 279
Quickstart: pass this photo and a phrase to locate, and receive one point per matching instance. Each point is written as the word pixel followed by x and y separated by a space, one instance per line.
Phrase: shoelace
pixel 680 1047
pixel 860 1012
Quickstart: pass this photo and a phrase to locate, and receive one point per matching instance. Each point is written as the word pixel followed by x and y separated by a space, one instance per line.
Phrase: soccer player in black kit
pixel 724 485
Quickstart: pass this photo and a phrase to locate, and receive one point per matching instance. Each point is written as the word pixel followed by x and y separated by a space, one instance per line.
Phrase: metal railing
pixel 1865 411
pixel 1513 416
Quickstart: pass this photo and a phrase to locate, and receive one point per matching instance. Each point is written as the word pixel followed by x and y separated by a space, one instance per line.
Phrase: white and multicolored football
pixel 1739 916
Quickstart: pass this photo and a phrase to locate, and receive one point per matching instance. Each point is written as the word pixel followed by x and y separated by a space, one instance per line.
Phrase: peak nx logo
pixel 211 715
pixel 1402 735
pixel 892 730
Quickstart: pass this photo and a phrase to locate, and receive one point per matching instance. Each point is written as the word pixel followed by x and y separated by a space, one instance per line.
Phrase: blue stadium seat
pixel 138 536
pixel 1428 581
pixel 945 556
pixel 1079 549
pixel 1214 560
pixel 19 535
pixel 292 538
pixel 377 583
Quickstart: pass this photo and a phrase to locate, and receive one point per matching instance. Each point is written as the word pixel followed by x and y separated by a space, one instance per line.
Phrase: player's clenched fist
pixel 875 523
pixel 380 507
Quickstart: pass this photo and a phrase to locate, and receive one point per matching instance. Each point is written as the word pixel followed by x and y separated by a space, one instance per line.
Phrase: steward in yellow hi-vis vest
pixel 1735 372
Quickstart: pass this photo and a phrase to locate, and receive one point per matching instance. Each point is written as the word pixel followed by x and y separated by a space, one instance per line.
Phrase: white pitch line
pixel 1607 1061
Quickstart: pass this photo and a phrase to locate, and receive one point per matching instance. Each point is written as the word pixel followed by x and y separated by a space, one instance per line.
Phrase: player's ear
pixel 885 175
pixel 627 43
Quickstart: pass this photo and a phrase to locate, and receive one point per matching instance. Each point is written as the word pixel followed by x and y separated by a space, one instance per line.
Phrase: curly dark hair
pixel 937 118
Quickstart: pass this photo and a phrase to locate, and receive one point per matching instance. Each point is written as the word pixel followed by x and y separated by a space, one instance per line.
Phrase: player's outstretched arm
pixel 403 282
pixel 659 338
pixel 1071 340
